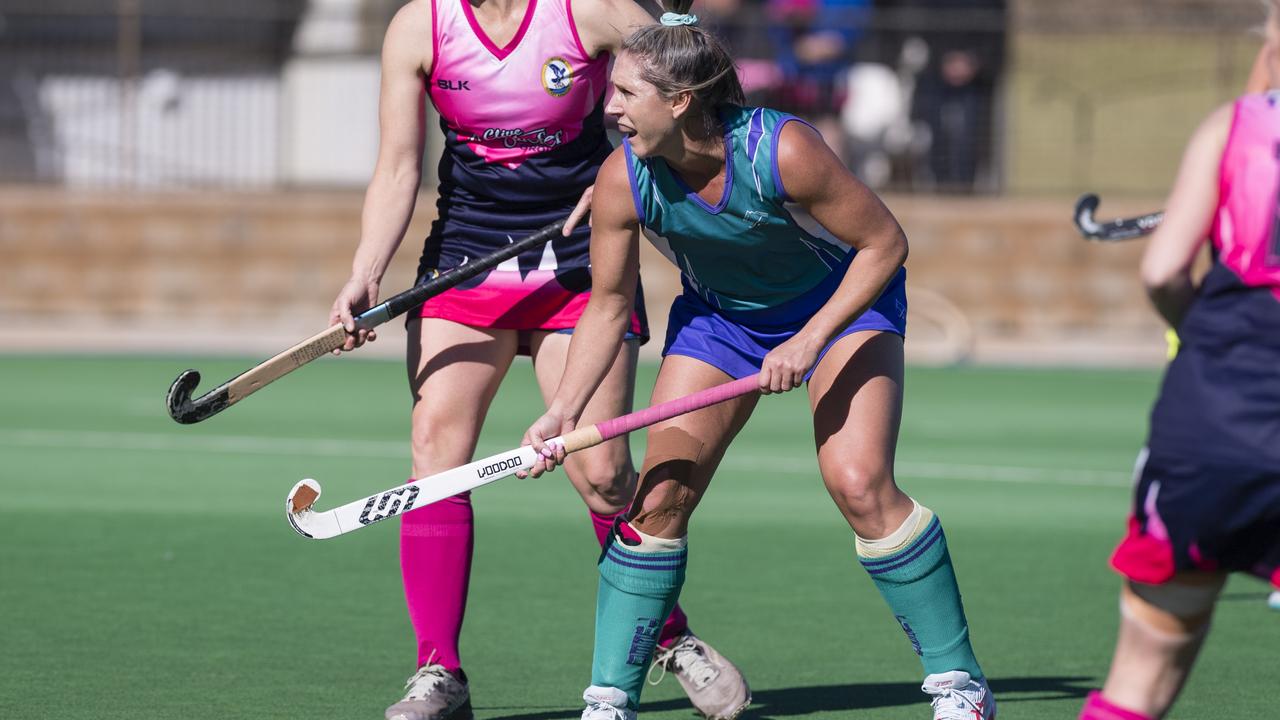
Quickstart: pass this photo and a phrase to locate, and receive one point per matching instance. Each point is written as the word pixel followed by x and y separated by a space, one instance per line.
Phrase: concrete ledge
pixel 990 280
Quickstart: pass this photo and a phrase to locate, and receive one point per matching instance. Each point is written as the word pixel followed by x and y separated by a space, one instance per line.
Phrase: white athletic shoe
pixel 714 685
pixel 606 703
pixel 956 696
pixel 433 693
pixel 1273 601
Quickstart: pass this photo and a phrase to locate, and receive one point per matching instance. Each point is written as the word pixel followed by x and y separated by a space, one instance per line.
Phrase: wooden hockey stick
pixel 186 411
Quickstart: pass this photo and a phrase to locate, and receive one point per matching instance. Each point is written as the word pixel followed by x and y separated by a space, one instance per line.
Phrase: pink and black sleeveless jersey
pixel 1246 234
pixel 1208 493
pixel 523 123
pixel 1239 300
pixel 524 137
pixel 1221 395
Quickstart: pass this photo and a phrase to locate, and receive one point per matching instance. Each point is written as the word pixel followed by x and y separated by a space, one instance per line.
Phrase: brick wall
pixel 1003 280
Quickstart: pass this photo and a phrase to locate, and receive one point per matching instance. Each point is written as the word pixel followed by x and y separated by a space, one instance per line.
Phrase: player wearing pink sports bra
pixel 519 85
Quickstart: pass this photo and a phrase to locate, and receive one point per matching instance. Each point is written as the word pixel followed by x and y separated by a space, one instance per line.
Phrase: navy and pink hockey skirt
pixel 1207 494
pixel 1200 514
pixel 545 288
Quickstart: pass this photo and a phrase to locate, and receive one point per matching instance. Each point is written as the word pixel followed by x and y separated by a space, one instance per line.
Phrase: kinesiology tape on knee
pixel 666 509
pixel 1177 611
pixel 670 464
pixel 910 529
pixel 670 444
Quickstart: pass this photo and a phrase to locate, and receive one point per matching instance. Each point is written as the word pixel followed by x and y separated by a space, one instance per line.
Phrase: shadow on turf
pixel 787 702
pixel 1244 596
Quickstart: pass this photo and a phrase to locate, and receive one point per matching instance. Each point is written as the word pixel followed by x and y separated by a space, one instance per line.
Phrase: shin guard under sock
pixel 639 584
pixel 912 570
pixel 436 544
pixel 677 622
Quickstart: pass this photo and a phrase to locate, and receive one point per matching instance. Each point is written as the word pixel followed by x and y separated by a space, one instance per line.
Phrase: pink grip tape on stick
pixel 586 437
pixel 610 429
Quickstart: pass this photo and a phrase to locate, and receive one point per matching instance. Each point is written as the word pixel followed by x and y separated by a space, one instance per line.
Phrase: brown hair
pixel 686 58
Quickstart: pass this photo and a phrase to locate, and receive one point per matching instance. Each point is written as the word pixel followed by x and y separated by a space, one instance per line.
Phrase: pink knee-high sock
pixel 435 562
pixel 1099 708
pixel 677 623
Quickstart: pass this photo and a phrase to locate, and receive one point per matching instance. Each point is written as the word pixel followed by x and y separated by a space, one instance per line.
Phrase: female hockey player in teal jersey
pixel 712 182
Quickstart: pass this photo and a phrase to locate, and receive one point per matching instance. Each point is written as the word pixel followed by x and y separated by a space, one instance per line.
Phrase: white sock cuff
pixel 655 544
pixel 909 530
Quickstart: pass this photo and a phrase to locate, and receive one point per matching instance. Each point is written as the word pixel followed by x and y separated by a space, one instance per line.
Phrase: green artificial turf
pixel 147 571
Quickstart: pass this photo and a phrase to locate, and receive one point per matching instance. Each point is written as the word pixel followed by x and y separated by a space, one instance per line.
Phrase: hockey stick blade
pixel 309 523
pixel 186 411
pixel 1111 230
pixel 183 409
pixel 300 510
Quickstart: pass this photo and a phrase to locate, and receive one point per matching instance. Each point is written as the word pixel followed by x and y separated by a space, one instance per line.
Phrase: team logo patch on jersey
pixel 557 76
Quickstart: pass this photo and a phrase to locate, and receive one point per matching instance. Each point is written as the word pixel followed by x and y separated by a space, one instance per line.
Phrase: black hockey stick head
pixel 1112 230
pixel 187 411
pixel 1086 206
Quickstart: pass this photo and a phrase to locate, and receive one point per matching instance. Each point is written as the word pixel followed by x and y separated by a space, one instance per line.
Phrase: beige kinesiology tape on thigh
pixel 1172 608
pixel 673 444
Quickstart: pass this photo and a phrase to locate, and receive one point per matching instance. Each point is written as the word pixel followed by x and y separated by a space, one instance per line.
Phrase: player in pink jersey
pixel 519 85
pixel 1260 81
pixel 1207 500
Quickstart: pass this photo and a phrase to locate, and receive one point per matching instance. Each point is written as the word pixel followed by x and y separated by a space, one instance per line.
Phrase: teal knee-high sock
pixel 918 582
pixel 639 585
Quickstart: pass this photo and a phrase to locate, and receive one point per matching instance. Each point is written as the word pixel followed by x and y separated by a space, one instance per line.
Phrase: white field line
pixel 215 444
pixel 736 460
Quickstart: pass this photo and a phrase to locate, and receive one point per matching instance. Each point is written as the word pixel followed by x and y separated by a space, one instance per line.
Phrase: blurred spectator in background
pixel 885 143
pixel 952 102
pixel 740 25
pixel 956 92
pixel 813 43
pixel 902 90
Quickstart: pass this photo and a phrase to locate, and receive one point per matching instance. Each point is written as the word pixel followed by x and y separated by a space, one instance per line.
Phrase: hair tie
pixel 671 19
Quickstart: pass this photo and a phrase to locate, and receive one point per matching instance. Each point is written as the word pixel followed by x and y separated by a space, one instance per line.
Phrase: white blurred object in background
pixel 876 115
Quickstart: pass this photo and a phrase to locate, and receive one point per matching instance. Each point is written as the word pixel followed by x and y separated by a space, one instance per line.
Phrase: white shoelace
pixel 954 705
pixel 603 711
pixel 685 656
pixel 423 683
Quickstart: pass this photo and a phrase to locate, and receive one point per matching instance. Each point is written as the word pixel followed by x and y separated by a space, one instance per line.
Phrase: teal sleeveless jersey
pixel 747 252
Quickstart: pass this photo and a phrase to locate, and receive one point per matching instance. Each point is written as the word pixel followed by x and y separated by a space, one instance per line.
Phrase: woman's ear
pixel 681 103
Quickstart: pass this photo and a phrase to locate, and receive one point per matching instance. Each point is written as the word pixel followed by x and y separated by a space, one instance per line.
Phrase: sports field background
pixel 147 571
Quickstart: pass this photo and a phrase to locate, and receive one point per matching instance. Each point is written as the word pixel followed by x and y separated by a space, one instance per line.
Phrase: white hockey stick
pixel 320 525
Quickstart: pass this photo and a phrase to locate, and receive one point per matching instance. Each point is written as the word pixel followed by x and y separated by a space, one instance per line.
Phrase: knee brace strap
pixel 1172 608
